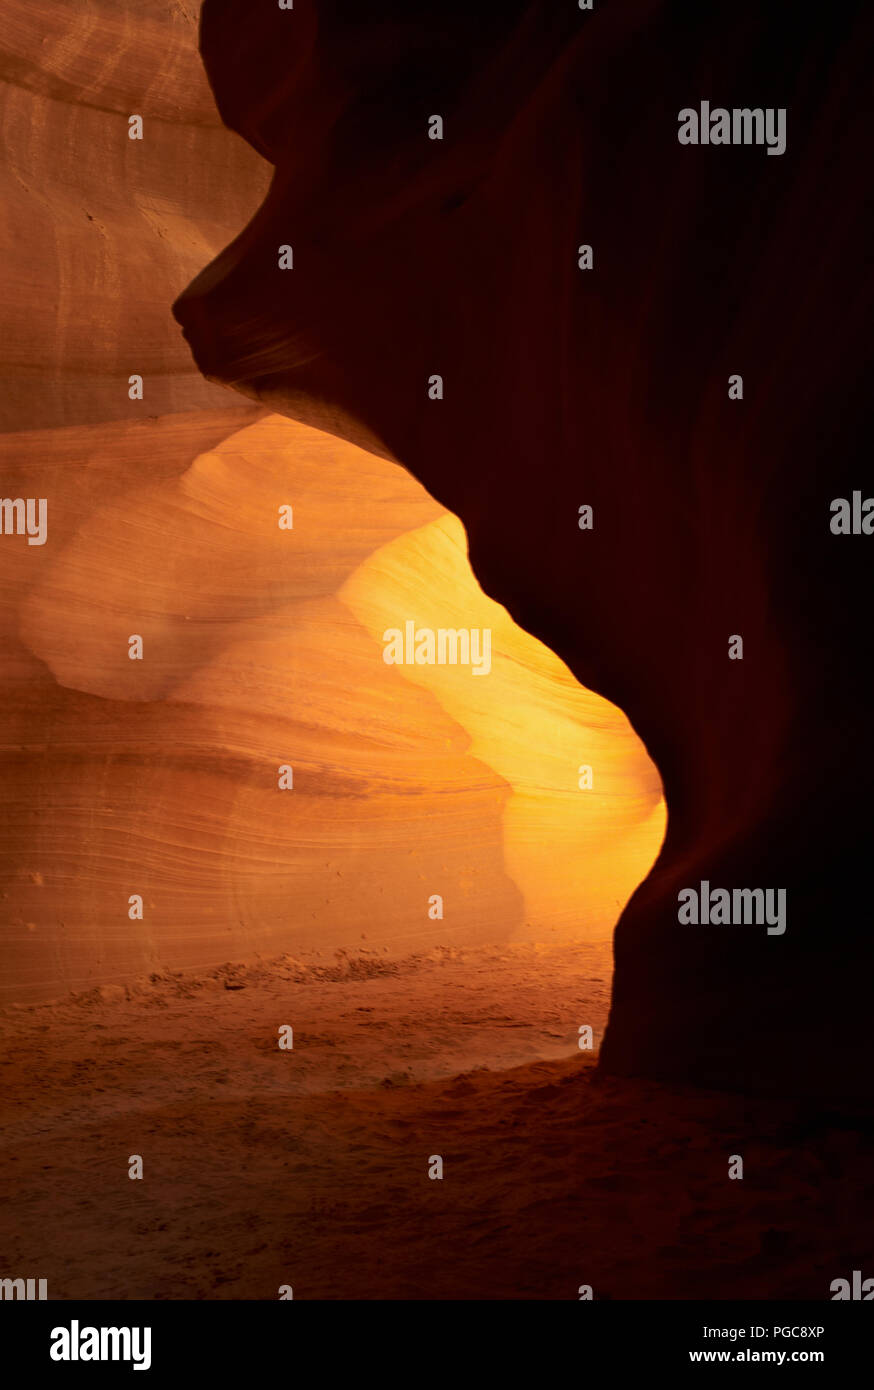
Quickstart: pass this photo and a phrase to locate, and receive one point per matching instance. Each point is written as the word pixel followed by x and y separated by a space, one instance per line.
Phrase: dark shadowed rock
pixel 610 387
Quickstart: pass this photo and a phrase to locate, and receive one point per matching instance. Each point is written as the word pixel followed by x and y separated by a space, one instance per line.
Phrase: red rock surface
pixel 261 647
pixel 98 232
pixel 610 387
pixel 159 1037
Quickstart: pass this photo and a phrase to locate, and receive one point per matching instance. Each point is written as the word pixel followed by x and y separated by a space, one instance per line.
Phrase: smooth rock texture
pixel 610 387
pixel 265 909
pixel 99 232
pixel 159 777
pixel 263 647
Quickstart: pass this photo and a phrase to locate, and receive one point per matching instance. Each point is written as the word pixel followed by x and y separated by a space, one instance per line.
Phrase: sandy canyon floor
pixel 309 1167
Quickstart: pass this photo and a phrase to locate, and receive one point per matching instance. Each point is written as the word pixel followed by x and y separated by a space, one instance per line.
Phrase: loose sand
pixel 310 1167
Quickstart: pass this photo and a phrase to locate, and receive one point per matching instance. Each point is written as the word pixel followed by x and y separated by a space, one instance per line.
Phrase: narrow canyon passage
pixel 524 803
pixel 282 754
pixel 262 780
pixel 309 907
